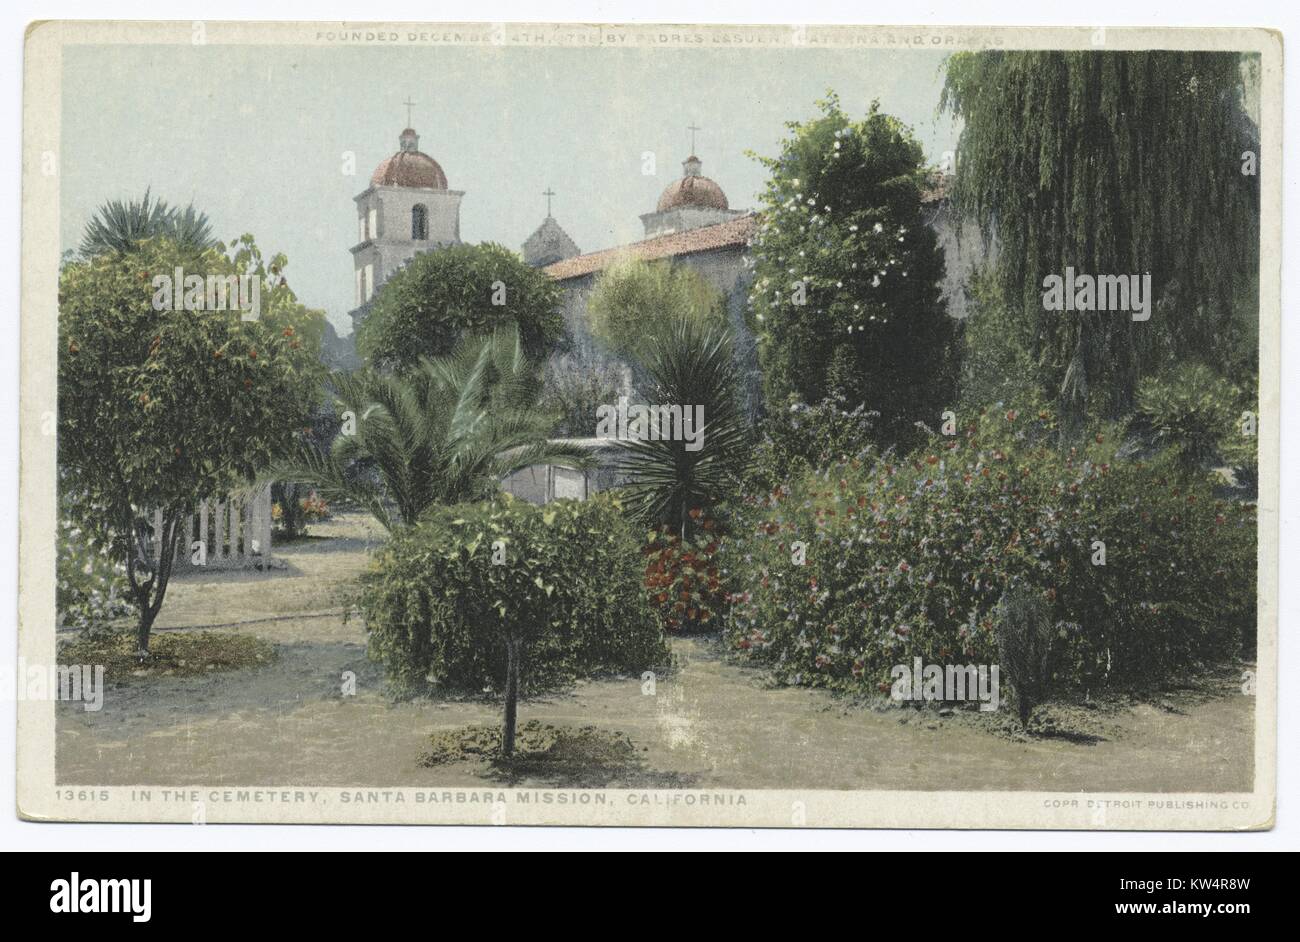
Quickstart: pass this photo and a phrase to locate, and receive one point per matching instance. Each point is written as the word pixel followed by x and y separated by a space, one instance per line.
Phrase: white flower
pixel 877 228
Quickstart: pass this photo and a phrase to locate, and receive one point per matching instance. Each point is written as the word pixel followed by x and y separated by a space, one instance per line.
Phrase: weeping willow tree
pixel 1114 163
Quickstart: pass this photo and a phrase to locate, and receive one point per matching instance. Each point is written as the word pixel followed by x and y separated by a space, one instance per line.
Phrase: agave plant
pixel 670 484
pixel 120 227
pixel 445 432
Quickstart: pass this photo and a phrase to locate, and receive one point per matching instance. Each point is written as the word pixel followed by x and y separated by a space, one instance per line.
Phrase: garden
pixel 1064 502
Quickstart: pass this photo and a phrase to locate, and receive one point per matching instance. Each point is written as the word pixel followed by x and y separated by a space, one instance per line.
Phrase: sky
pixel 258 136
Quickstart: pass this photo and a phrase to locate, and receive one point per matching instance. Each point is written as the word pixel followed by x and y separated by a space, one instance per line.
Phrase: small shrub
pixel 311 509
pixel 669 479
pixel 175 653
pixel 1023 628
pixel 1191 409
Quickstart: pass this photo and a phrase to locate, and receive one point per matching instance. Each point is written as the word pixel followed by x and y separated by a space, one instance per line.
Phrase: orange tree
pixel 160 406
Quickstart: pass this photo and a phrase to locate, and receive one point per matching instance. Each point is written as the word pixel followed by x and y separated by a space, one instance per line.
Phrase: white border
pixel 17 834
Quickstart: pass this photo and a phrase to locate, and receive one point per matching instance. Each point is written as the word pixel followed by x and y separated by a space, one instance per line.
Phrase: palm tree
pixel 447 431
pixel 120 227
pixel 692 365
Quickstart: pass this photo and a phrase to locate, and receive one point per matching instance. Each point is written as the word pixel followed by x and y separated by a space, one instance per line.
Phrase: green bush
pixel 671 481
pixel 1191 409
pixel 635 305
pixel 910 558
pixel 801 437
pixel 565 579
pixel 437 300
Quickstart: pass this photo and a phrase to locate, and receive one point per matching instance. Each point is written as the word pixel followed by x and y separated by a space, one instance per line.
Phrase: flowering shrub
pixel 91 587
pixel 910 557
pixel 682 578
pixel 802 437
pixel 846 296
pixel 312 507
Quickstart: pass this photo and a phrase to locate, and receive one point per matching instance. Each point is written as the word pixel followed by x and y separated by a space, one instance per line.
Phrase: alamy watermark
pixel 78 683
pixel 947 683
pixel 1079 292
pixel 655 423
pixel 179 291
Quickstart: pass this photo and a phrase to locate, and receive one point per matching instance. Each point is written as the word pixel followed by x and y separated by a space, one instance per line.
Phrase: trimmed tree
pixel 505 595
pixel 846 296
pixel 439 298
pixel 161 407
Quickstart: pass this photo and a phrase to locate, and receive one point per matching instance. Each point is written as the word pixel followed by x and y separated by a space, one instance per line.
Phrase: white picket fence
pixel 236 533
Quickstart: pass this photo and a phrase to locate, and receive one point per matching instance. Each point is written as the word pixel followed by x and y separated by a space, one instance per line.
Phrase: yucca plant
pixel 121 226
pixel 668 484
pixel 444 432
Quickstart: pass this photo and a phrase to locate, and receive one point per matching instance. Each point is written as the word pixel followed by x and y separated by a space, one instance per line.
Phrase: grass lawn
pixel 283 719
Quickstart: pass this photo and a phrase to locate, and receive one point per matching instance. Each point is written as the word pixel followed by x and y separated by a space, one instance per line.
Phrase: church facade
pixel 409 208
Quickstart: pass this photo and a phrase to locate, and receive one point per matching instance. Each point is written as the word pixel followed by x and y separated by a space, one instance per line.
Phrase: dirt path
pixel 709 723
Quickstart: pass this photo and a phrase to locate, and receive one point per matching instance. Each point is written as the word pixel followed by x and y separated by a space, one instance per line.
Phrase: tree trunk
pixel 512 697
pixel 149 593
pixel 145 625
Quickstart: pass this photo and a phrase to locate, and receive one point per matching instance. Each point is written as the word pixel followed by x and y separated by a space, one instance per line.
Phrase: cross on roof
pixel 409 105
pixel 692 128
pixel 548 193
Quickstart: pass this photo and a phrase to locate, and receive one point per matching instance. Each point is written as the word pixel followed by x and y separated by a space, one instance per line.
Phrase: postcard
pixel 649 425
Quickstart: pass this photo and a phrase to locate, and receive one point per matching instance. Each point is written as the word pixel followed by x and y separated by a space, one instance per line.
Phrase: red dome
pixel 692 190
pixel 410 168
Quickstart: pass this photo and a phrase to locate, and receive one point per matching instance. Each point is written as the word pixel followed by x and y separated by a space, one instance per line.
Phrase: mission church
pixel 410 208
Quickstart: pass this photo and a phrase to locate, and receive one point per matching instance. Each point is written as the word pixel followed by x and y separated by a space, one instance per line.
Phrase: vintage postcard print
pixel 768 426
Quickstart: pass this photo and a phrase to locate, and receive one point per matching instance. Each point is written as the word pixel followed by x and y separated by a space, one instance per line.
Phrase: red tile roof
pixel 704 239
